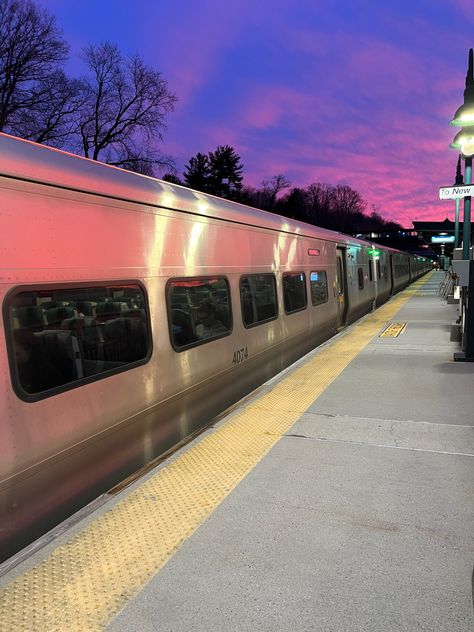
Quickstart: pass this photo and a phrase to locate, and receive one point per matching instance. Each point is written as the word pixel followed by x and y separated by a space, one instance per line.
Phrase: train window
pixel 63 336
pixel 294 291
pixel 198 310
pixel 258 298
pixel 379 274
pixel 385 273
pixel 318 282
pixel 360 276
pixel 371 277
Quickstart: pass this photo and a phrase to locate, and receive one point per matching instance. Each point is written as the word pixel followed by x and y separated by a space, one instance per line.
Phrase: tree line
pixel 336 207
pixel 116 111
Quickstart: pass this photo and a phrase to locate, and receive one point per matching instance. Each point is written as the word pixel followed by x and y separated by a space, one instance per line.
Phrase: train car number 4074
pixel 240 355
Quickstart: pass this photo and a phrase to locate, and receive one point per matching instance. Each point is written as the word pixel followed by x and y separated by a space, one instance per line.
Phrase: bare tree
pixel 123 111
pixel 31 51
pixel 347 207
pixel 347 201
pixel 319 196
pixel 52 118
pixel 270 190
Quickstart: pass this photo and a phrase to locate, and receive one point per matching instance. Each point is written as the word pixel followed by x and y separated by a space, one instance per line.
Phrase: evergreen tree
pixel 225 172
pixel 171 177
pixel 196 173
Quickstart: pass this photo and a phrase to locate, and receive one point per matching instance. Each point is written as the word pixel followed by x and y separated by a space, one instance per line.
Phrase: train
pixel 135 310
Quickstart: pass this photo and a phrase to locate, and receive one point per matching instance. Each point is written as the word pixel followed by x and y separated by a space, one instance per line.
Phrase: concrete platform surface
pixel 359 519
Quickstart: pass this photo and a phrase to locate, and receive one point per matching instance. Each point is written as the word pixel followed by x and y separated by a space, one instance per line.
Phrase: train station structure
pixel 426 238
pixel 338 496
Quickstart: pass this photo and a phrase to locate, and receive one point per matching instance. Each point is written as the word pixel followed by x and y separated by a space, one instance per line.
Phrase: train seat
pixel 54 359
pixel 49 305
pixel 222 313
pixel 129 300
pixel 134 312
pixel 89 335
pixel 125 340
pixel 179 297
pixel 247 309
pixel 110 309
pixel 30 317
pixel 183 327
pixel 201 295
pixel 56 315
pixel 88 308
pixel 221 295
pixel 265 311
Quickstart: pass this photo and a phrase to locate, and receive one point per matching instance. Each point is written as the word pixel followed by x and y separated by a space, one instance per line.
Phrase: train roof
pixel 30 161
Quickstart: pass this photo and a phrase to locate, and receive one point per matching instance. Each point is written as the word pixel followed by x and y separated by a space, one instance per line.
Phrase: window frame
pixel 294 273
pixel 327 287
pixel 360 277
pixel 37 287
pixel 197 343
pixel 266 320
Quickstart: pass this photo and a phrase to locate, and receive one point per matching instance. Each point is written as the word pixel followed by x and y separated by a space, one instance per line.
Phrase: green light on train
pixel 374 252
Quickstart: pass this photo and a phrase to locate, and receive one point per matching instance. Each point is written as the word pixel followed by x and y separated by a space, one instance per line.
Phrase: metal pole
pixel 468 293
pixel 456 223
pixel 458 181
pixel 466 232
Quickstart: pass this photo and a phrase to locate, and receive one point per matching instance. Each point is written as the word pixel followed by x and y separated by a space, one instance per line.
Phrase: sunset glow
pixel 335 91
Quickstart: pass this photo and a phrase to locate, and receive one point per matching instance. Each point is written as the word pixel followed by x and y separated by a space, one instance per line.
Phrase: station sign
pixel 453 193
pixel 442 239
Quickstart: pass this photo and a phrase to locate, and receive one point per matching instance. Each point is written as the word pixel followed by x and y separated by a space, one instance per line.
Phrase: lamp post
pixel 464 141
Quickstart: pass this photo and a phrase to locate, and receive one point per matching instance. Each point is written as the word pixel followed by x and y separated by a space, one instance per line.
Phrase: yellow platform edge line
pixel 83 583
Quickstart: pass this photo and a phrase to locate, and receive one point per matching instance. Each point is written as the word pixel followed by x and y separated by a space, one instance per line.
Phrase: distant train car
pixel 135 310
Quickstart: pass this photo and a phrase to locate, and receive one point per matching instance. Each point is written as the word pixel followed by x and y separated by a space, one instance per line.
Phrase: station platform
pixel 338 497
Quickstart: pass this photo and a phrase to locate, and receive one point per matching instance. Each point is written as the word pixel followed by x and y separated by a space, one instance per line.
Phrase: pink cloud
pixel 374 116
pixel 265 106
pixel 197 39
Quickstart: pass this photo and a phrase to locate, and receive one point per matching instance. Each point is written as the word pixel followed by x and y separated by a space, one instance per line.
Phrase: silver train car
pixel 134 311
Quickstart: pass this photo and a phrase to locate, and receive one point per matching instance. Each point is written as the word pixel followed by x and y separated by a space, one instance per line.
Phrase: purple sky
pixel 357 92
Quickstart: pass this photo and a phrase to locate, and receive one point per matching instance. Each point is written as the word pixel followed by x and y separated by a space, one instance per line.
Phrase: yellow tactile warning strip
pixel 393 330
pixel 86 581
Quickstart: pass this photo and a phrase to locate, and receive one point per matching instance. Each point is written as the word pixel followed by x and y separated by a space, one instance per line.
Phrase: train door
pixel 341 288
pixel 392 277
pixel 374 264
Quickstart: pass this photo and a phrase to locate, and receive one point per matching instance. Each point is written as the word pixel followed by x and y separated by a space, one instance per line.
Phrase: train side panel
pixel 61 451
pixel 61 448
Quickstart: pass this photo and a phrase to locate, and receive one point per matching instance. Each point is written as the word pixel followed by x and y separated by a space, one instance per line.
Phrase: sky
pixel 356 92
